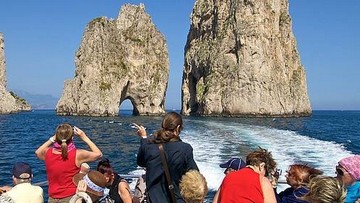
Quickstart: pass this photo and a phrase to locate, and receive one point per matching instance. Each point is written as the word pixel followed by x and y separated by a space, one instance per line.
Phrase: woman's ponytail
pixel 64 149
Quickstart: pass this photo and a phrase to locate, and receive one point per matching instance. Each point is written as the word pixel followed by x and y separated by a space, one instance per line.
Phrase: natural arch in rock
pixel 128 104
pixel 120 59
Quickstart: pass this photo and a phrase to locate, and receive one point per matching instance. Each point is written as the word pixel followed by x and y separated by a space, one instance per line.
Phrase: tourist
pixel 250 183
pixel 179 158
pixel 193 187
pixel 63 160
pixel 90 187
pixel 23 191
pixel 324 189
pixel 234 164
pixel 118 187
pixel 298 177
pixel 348 172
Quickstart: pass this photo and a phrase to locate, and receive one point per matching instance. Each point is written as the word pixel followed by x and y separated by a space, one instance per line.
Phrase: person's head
pixel 300 175
pixel 193 187
pixel 324 189
pixel 348 170
pixel 64 136
pixel 105 168
pixel 95 183
pixel 21 172
pixel 233 164
pixel 171 126
pixel 262 161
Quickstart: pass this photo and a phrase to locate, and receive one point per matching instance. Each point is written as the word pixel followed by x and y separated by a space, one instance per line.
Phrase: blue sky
pixel 42 36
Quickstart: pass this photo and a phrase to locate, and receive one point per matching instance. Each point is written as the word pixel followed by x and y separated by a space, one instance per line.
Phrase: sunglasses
pixel 227 170
pixel 339 171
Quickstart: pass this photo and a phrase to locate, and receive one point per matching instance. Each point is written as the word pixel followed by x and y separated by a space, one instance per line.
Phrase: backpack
pixel 140 193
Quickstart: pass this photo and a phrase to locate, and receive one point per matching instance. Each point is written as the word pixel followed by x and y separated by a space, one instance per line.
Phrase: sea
pixel 320 140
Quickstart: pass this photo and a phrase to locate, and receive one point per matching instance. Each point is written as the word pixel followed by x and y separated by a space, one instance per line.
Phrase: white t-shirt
pixel 26 193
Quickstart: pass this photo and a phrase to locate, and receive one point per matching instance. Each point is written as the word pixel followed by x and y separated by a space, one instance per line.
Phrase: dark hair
pixel 302 173
pixel 105 167
pixel 171 126
pixel 255 158
pixel 64 134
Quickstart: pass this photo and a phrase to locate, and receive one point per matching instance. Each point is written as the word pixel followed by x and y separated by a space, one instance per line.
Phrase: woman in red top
pixel 63 161
pixel 249 184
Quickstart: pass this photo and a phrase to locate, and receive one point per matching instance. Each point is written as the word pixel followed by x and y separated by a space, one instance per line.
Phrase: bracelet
pixel 51 139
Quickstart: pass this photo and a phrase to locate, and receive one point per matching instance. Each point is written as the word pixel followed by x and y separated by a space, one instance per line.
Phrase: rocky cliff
pixel 119 59
pixel 9 102
pixel 241 60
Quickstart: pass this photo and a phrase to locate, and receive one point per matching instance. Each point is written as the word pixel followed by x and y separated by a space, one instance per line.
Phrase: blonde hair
pixel 324 189
pixel 193 187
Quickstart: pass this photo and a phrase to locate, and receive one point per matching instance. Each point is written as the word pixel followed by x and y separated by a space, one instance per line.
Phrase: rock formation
pixel 9 102
pixel 241 60
pixel 118 59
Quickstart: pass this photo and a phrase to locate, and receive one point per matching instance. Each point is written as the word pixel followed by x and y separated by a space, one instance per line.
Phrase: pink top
pixel 60 173
pixel 241 186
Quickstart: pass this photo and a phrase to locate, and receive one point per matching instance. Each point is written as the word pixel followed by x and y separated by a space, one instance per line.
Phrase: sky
pixel 42 36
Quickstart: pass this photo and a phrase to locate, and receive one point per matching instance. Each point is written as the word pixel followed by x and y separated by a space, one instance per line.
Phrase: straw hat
pixel 94 180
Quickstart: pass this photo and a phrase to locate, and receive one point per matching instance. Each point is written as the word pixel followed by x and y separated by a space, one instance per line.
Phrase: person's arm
pixel 140 158
pixel 5 188
pixel 84 155
pixel 124 192
pixel 216 196
pixel 191 164
pixel 41 151
pixel 268 190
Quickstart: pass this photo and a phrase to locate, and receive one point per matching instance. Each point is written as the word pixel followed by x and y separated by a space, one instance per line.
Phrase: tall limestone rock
pixel 9 102
pixel 120 59
pixel 241 60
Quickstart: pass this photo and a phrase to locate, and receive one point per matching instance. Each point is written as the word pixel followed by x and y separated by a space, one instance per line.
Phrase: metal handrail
pixel 126 176
pixel 130 176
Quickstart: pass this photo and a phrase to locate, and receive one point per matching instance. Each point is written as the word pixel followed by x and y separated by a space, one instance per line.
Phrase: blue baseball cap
pixel 21 170
pixel 234 163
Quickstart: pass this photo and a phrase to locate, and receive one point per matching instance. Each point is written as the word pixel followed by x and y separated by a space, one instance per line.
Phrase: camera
pixel 277 173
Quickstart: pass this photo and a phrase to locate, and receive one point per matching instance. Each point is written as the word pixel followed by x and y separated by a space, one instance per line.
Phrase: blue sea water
pixel 320 140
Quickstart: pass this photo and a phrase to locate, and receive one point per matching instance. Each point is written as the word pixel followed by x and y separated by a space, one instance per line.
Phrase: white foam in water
pixel 214 140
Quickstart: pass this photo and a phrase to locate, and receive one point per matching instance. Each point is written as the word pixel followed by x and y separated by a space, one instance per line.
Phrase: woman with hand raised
pixel 179 158
pixel 63 160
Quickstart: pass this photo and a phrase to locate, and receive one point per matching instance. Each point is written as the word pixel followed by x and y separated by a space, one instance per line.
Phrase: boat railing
pixel 129 177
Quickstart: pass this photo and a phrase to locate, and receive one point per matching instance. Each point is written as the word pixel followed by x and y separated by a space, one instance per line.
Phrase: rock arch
pixel 120 59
